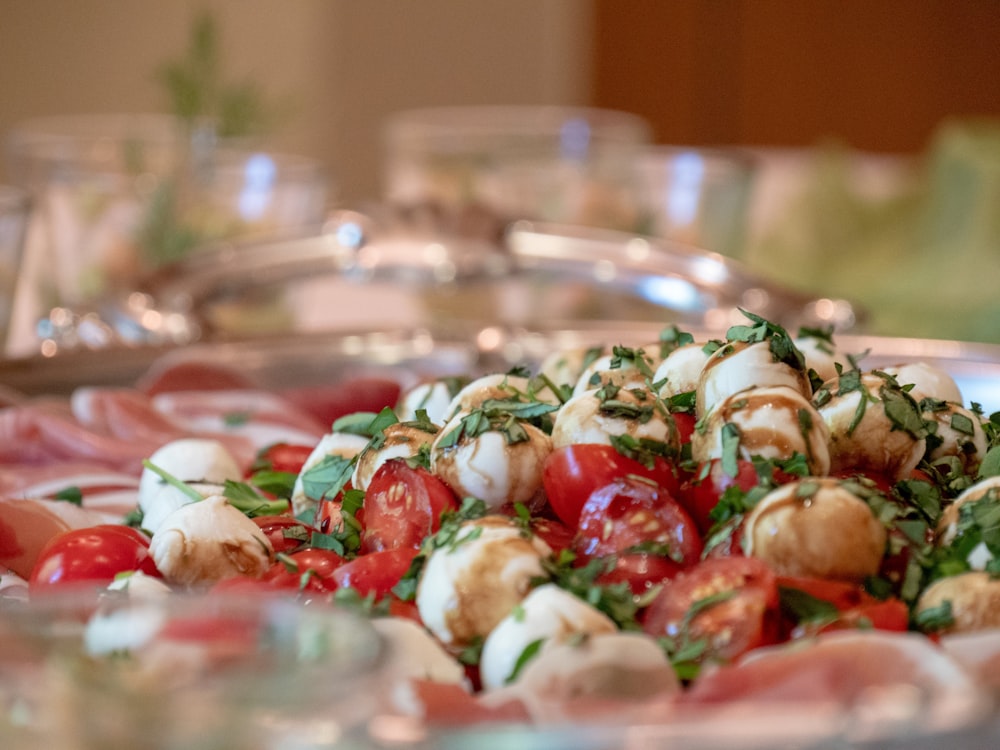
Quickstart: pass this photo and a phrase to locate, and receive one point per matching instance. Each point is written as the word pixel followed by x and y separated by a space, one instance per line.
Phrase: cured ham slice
pixel 27 524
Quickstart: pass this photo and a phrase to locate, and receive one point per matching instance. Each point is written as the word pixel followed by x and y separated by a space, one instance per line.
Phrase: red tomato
pixel 573 472
pixel 855 607
pixel 283 457
pixel 402 506
pixel 685 422
pixel 629 512
pixel 376 571
pixel 328 516
pixel 309 569
pixel 730 602
pixel 701 494
pixel 641 571
pixel 95 554
pixel 875 479
pixel 553 533
pixel 286 533
pixel 330 402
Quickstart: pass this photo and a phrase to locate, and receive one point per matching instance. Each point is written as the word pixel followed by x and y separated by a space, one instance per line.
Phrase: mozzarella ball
pixel 958 432
pixel 489 467
pixel 343 444
pixel 413 654
pixel 737 366
pixel 206 464
pixel 681 370
pixel 470 585
pixel 140 585
pixel 548 613
pixel 590 418
pixel 773 422
pixel 207 541
pixel 974 598
pixel 984 491
pixel 564 366
pixel 609 666
pixel 927 380
pixel 816 527
pixel 615 370
pixel 874 441
pixel 498 386
pixel 401 441
pixel 434 397
pixel 820 354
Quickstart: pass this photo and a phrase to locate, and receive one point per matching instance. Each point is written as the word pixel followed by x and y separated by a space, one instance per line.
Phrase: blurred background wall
pixel 333 69
pixel 878 75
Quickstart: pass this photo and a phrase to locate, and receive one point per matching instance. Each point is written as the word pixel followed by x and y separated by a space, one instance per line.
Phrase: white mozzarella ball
pixel 737 366
pixel 434 397
pixel 167 498
pixel 984 491
pixel 207 541
pixel 401 441
pixel 772 422
pixel 821 355
pixel 489 467
pixel 958 432
pixel 589 417
pixel 875 440
pixel 499 386
pixel 973 597
pixel 816 527
pixel 413 654
pixel 470 585
pixel 203 463
pixel 927 380
pixel 604 666
pixel 139 585
pixel 548 613
pixel 681 370
pixel 343 444
pixel 564 366
pixel 616 370
pixel 125 630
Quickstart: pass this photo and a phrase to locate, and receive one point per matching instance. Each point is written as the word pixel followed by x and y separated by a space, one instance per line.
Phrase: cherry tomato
pixel 553 533
pixel 854 607
pixel 641 571
pixel 630 512
pixel 572 472
pixel 285 533
pixel 328 516
pixel 375 572
pixel 309 569
pixel 730 602
pixel 701 494
pixel 284 457
pixel 685 422
pixel 94 554
pixel 402 506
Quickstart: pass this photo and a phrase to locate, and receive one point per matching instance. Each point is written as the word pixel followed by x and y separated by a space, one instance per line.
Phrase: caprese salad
pixel 631 530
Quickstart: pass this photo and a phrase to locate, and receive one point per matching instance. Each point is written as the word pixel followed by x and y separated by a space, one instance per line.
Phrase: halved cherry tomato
pixel 730 602
pixel 375 572
pixel 553 533
pixel 641 571
pixel 572 472
pixel 403 505
pixel 94 554
pixel 309 569
pixel 630 512
pixel 328 516
pixel 285 533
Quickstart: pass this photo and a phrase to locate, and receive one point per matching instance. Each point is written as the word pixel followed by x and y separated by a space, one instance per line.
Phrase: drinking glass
pixel 14 209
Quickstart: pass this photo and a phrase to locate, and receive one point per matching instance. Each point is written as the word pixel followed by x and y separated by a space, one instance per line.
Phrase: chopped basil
pixel 327 478
pixel 72 495
pixel 530 652
pixel 935 619
pixel 807 609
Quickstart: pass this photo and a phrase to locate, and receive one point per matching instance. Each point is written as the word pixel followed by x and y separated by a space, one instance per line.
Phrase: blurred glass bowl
pixel 565 164
pixel 183 672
